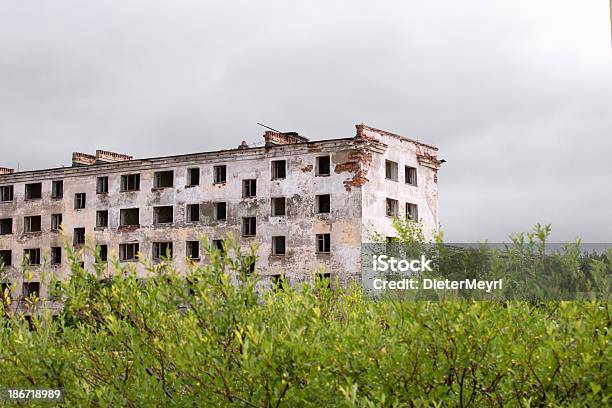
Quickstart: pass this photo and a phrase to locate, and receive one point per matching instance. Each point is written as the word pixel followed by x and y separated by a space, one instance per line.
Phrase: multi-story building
pixel 308 205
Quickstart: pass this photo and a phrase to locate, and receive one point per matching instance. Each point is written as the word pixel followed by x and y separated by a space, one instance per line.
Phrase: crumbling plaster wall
pixel 374 193
pixel 300 225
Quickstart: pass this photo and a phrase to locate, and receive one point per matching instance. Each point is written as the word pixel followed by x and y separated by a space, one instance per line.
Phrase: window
pixel 193 250
pixel 6 226
pixel 130 182
pixel 79 236
pixel 32 256
pixel 33 191
pixel 278 282
pixel 102 253
pixel 129 217
pixel 249 188
pixel 324 278
pixel 193 177
pixel 163 179
pixel 278 206
pixel 163 215
pixel 323 204
pixel 249 227
pixel 6 257
pixel 323 243
pixel 31 289
pixel 6 193
pixel 162 250
pixel 56 255
pixel 5 291
pixel 102 185
pixel 412 212
pixel 410 174
pixel 32 224
pixel 391 170
pixel 56 222
pixel 249 265
pixel 102 219
pixel 218 243
pixel 79 201
pixel 193 212
pixel 323 166
pixel 220 211
pixel 57 189
pixel 220 174
pixel 128 252
pixel 392 207
pixel 279 169
pixel 278 245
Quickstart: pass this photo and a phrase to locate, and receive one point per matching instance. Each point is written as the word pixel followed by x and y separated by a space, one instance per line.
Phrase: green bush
pixel 197 339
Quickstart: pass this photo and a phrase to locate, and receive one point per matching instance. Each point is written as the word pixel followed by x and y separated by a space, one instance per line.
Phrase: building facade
pixel 307 205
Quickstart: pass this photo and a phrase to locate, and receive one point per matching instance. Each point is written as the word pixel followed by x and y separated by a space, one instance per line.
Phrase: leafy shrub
pixel 208 337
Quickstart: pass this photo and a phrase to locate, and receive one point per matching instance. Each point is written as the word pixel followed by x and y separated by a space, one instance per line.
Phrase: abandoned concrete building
pixel 308 205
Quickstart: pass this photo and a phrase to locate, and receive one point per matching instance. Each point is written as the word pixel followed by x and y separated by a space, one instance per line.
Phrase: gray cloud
pixel 517 94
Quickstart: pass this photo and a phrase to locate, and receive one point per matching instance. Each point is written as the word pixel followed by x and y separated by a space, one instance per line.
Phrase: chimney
pixel 82 159
pixel 6 170
pixel 279 138
pixel 103 156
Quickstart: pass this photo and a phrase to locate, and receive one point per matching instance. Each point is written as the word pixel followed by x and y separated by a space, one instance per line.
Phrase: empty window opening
pixel 102 253
pixel 130 182
pixel 163 215
pixel 193 212
pixel 220 211
pixel 6 257
pixel 279 169
pixel 33 191
pixel 102 185
pixel 220 174
pixel 278 206
pixel 410 175
pixel 249 188
pixel 249 265
pixel 325 279
pixel 31 289
pixel 6 193
pixel 391 170
pixel 412 212
pixel 162 250
pixel 32 224
pixel 102 219
pixel 129 217
pixel 193 250
pixel 278 245
pixel 218 243
pixel 31 256
pixel 392 207
pixel 163 179
pixel 57 189
pixel 79 201
pixel 56 255
pixel 323 204
pixel 128 252
pixel 323 166
pixel 79 236
pixel 278 282
pixel 323 243
pixel 56 222
pixel 6 226
pixel 193 177
pixel 6 289
pixel 249 227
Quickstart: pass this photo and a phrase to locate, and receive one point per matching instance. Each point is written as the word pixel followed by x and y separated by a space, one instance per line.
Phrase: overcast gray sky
pixel 516 93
